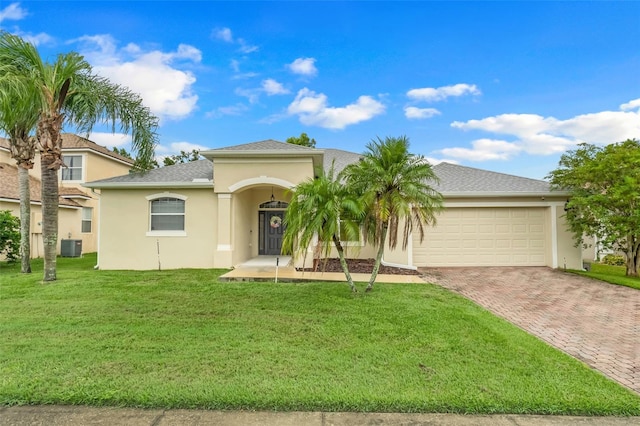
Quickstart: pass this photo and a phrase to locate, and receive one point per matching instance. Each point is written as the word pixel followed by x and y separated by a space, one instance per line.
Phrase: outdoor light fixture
pixel 272 197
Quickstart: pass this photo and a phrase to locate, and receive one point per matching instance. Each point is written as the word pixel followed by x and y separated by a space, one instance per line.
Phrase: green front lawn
pixel 182 339
pixel 611 274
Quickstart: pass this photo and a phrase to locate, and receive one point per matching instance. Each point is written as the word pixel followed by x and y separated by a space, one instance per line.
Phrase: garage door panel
pixel 502 228
pixel 484 237
pixel 519 228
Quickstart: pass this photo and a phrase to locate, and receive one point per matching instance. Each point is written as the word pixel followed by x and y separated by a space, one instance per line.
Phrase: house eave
pixel 37 203
pixel 317 155
pixel 142 185
pixel 499 194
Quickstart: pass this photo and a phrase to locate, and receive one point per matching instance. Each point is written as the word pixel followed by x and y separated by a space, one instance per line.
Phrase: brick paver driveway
pixel 597 323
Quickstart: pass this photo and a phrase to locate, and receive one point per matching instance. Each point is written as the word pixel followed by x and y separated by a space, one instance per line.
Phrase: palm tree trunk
pixel 343 263
pixel 25 220
pixel 376 266
pixel 49 216
pixel 49 128
pixel 633 256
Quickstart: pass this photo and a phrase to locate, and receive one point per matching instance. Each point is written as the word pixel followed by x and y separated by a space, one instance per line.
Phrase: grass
pixel 611 274
pixel 182 339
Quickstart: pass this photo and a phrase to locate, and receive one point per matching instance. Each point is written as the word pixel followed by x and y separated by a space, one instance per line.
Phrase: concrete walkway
pixel 263 268
pixel 83 416
pixel 595 322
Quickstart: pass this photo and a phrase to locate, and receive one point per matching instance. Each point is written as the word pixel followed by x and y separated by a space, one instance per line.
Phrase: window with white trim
pixel 73 169
pixel 87 217
pixel 167 214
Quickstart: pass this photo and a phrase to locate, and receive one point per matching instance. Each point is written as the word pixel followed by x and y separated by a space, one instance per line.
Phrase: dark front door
pixel 272 228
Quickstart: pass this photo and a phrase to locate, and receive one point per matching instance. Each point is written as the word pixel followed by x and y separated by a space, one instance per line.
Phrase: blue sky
pixel 503 86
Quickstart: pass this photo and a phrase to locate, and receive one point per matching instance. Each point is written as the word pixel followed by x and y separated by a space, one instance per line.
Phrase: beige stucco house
pixel 225 209
pixel 78 206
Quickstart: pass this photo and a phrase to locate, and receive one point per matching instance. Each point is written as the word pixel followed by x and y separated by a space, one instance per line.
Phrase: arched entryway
pixel 271 227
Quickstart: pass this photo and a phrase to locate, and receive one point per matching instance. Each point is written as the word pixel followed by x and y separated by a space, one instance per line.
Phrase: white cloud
pixel 246 47
pixel 312 109
pixel 159 77
pixel 304 66
pixel 272 87
pixel 237 109
pixel 223 34
pixel 483 150
pixel 36 39
pixel 269 86
pixel 253 95
pixel 110 140
pixel 13 12
pixel 431 94
pixel 185 146
pixel 634 104
pixel 538 135
pixel 434 161
pixel 414 113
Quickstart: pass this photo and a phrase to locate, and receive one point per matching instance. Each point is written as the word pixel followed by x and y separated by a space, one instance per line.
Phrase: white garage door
pixel 484 237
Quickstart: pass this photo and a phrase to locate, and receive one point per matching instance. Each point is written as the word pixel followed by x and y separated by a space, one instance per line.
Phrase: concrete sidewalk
pixel 82 416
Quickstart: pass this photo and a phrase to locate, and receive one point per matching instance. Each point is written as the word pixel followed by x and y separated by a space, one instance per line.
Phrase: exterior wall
pixel 101 167
pixel 569 255
pixel 95 167
pixel 69 224
pixel 5 157
pixel 126 244
pixel 229 172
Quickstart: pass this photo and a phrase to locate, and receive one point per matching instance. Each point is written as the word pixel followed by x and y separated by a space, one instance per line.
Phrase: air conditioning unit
pixel 71 248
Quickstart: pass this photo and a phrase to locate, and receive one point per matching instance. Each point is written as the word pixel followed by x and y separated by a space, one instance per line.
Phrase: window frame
pixel 85 220
pixel 166 232
pixel 69 169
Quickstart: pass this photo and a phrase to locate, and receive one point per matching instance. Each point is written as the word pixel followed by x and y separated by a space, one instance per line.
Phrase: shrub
pixel 9 235
pixel 614 260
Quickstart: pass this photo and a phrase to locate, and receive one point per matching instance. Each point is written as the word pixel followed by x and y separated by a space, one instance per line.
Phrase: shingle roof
pixel 178 173
pixel 266 145
pixel 342 159
pixel 10 189
pixel 71 141
pixel 454 179
pixel 462 179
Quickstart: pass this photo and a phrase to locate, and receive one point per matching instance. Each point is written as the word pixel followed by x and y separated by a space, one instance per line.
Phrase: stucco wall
pixel 69 222
pixel 229 172
pixel 125 243
pixel 568 253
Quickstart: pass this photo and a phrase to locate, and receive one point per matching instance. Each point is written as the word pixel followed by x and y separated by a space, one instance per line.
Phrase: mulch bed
pixel 363 266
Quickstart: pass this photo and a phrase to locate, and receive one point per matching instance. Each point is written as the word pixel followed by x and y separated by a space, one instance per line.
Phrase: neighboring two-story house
pixel 84 161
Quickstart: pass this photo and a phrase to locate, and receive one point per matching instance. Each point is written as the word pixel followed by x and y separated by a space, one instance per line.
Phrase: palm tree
pixel 69 93
pixel 322 208
pixel 396 191
pixel 18 118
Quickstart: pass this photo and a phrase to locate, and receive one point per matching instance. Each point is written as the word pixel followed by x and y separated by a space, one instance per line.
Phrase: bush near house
pixel 9 235
pixel 614 260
